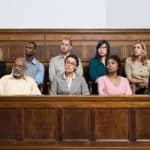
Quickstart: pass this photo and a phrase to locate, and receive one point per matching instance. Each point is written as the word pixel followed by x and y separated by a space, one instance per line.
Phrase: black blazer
pixel 2 68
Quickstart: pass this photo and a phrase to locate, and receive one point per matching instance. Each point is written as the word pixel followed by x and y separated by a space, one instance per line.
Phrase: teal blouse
pixel 96 69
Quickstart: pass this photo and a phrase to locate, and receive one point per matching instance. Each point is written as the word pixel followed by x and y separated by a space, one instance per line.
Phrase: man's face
pixel 65 46
pixel 29 49
pixel 18 69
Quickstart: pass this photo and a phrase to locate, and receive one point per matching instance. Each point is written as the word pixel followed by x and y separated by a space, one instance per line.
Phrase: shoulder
pixel 78 76
pixel 102 78
pixel 59 77
pixel 124 79
pixel 6 77
pixel 129 59
pixel 30 79
pixel 55 58
pixel 38 62
pixel 93 59
pixel 148 61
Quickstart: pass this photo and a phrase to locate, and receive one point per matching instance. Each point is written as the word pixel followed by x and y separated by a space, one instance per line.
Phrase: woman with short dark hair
pixel 69 82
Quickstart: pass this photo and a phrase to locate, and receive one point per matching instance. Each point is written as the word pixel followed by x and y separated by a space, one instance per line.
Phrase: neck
pixel 103 59
pixel 68 75
pixel 112 75
pixel 29 58
pixel 17 77
pixel 66 54
pixel 139 58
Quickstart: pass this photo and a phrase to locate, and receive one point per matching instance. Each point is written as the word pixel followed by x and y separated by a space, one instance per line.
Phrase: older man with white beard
pixel 16 83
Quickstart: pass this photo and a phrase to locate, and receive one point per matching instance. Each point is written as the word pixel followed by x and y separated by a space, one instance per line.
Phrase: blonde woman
pixel 2 64
pixel 137 68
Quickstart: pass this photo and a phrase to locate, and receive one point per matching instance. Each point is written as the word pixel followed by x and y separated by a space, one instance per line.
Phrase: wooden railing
pixel 75 122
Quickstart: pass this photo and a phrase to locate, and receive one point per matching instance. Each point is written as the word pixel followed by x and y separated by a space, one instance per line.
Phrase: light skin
pixel 70 67
pixel 102 51
pixel 138 51
pixel 65 47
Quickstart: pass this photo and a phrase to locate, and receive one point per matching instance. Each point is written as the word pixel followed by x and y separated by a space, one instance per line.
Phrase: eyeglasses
pixel 70 63
pixel 103 47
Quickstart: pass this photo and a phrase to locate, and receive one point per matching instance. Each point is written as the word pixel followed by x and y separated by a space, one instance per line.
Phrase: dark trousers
pixel 141 91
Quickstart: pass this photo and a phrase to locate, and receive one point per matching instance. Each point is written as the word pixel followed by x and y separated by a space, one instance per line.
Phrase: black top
pixel 2 68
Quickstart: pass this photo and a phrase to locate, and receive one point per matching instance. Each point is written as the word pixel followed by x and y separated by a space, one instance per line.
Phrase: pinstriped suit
pixel 78 86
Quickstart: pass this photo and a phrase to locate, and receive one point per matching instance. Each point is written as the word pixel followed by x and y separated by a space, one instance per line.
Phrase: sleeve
pixel 101 86
pixel 128 69
pixel 2 85
pixel 40 75
pixel 92 70
pixel 85 89
pixel 53 90
pixel 80 68
pixel 148 67
pixel 128 90
pixel 52 72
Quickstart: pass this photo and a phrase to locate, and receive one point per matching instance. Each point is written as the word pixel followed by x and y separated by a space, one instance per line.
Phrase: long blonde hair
pixel 1 54
pixel 144 56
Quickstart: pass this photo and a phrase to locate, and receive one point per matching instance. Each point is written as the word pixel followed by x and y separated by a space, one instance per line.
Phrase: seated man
pixel 16 83
pixel 34 68
pixel 56 65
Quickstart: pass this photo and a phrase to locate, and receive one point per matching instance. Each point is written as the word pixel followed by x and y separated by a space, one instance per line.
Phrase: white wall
pixel 53 14
pixel 75 14
pixel 128 14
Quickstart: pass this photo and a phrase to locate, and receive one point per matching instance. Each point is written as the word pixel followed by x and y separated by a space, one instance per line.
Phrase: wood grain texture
pixel 69 122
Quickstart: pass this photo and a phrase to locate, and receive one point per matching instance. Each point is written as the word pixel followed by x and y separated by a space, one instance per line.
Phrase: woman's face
pixel 138 50
pixel 112 66
pixel 102 51
pixel 70 65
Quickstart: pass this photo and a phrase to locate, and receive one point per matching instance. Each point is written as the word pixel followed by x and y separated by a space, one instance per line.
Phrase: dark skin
pixel 29 52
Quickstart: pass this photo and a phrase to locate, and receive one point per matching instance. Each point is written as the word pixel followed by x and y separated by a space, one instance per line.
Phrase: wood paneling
pixel 12 42
pixel 75 122
pixel 111 124
pixel 39 123
pixel 7 124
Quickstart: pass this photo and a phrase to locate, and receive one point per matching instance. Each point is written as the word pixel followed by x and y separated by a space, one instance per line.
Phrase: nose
pixel 17 68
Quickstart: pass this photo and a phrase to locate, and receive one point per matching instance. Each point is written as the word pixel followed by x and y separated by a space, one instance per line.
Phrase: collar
pixel 63 56
pixel 34 61
pixel 12 77
pixel 64 76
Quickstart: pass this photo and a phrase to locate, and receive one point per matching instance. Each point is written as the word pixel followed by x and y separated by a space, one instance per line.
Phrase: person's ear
pixel 70 47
